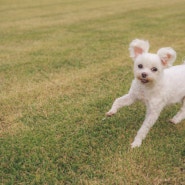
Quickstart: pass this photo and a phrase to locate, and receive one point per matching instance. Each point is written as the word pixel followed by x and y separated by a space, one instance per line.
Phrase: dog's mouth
pixel 143 80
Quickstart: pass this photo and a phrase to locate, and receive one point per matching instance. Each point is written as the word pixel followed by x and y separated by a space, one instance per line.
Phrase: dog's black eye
pixel 140 66
pixel 154 69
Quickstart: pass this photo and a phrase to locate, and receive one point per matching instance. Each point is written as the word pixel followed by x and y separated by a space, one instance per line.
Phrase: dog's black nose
pixel 144 75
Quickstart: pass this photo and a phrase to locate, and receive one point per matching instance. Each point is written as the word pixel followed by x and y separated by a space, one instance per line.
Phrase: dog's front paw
pixel 110 113
pixel 136 143
pixel 174 121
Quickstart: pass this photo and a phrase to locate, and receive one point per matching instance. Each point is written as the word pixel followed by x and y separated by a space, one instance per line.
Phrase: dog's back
pixel 174 80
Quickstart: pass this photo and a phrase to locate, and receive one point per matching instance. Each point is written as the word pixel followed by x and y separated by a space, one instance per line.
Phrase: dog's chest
pixel 143 93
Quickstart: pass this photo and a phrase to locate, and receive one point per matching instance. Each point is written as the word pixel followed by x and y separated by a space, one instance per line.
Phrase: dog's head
pixel 148 67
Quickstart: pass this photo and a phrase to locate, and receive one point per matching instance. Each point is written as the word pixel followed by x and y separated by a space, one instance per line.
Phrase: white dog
pixel 154 84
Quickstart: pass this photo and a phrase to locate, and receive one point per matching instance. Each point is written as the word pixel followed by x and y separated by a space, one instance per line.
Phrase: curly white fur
pixel 138 46
pixel 154 84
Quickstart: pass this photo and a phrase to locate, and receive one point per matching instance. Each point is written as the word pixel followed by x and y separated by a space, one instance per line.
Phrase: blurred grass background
pixel 62 63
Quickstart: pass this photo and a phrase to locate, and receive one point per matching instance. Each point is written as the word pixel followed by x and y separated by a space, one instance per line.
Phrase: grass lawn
pixel 62 64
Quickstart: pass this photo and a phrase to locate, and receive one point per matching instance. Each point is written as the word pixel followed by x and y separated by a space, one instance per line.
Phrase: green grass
pixel 62 63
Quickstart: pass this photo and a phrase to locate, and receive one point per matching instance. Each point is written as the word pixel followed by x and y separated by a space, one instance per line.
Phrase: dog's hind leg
pixel 180 115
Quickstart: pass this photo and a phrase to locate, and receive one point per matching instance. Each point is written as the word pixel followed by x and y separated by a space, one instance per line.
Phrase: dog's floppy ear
pixel 167 56
pixel 138 47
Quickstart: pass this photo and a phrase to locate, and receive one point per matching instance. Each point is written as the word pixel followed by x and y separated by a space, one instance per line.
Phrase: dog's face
pixel 148 68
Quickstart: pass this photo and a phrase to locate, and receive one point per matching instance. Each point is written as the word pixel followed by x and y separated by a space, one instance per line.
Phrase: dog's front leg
pixel 151 118
pixel 120 102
